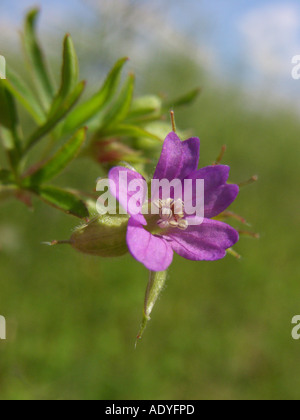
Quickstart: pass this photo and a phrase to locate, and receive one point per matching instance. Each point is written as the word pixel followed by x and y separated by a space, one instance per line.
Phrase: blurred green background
pixel 221 330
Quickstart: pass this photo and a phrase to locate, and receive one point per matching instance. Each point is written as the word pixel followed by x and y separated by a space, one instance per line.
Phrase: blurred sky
pixel 249 42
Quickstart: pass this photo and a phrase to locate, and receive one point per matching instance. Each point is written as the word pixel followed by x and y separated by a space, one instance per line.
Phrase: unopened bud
pixel 104 236
pixel 109 152
pixel 155 286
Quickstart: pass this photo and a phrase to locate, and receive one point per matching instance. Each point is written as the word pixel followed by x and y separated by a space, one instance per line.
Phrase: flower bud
pixel 156 283
pixel 108 152
pixel 104 236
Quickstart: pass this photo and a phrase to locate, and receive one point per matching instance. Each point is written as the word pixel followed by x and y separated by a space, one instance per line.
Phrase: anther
pixel 178 208
pixel 166 213
pixel 158 204
pixel 163 224
pixel 183 224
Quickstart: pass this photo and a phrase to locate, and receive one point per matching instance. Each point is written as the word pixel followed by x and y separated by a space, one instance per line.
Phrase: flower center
pixel 171 214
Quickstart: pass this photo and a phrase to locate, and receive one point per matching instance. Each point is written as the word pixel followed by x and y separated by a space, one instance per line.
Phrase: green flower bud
pixel 110 151
pixel 156 283
pixel 103 236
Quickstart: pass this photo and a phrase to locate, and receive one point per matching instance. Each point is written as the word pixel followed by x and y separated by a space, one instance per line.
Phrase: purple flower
pixel 153 240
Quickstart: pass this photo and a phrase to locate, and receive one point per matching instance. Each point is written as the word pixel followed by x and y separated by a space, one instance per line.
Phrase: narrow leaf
pixel 129 131
pixel 37 63
pixel 8 112
pixel 63 200
pixel 69 74
pixel 119 110
pixel 59 162
pixel 24 96
pixel 9 125
pixel 63 109
pixel 186 99
pixel 96 103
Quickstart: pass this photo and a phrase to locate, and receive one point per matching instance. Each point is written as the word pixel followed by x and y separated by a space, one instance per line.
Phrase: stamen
pixel 163 224
pixel 183 224
pixel 166 214
pixel 158 204
pixel 171 214
pixel 169 202
pixel 179 216
pixel 178 207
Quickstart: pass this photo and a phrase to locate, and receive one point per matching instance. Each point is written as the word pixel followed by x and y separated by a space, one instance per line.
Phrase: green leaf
pixel 186 99
pixel 24 96
pixel 95 104
pixel 63 200
pixel 63 109
pixel 8 113
pixel 10 126
pixel 59 161
pixel 119 110
pixel 6 177
pixel 129 131
pixel 69 74
pixel 37 63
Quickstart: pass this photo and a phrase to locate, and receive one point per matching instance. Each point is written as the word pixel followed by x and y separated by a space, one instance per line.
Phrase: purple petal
pixel 208 241
pixel 153 251
pixel 217 194
pixel 178 158
pixel 120 190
